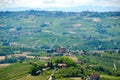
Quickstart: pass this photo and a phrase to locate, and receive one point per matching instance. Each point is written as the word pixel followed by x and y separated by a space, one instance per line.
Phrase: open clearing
pixel 2 57
pixel 4 65
pixel 24 54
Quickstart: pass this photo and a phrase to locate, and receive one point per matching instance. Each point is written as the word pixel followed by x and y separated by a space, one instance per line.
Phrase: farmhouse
pixel 95 76
pixel 61 50
pixel 12 29
pixel 62 65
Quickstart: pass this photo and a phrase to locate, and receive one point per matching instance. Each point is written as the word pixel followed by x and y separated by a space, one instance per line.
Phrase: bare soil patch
pixel 24 54
pixel 2 57
pixel 4 65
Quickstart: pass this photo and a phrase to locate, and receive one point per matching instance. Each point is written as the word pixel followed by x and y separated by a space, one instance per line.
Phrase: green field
pixel 103 59
pixel 106 77
pixel 14 71
pixel 20 71
pixel 42 77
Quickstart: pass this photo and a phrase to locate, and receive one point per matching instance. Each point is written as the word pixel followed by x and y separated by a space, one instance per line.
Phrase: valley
pixel 56 45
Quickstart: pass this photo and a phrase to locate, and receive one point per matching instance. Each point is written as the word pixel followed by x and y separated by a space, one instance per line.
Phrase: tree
pixel 18 28
pixel 64 59
pixel 50 64
pixel 36 69
pixel 69 72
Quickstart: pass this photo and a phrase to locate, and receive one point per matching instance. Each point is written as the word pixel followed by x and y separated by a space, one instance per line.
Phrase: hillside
pixel 14 71
pixel 73 30
pixel 64 68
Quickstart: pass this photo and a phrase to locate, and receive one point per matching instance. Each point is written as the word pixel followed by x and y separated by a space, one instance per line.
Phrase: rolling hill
pixel 73 30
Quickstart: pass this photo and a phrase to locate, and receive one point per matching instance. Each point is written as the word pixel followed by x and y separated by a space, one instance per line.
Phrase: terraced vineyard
pixel 43 77
pixel 84 30
pixel 14 71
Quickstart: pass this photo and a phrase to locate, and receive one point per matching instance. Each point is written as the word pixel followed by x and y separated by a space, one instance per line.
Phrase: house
pixel 70 53
pixel 57 54
pixel 62 65
pixel 95 76
pixel 14 44
pixel 80 52
pixel 61 50
pixel 12 29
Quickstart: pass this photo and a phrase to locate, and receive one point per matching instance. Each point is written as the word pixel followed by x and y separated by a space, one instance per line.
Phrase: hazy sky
pixel 60 4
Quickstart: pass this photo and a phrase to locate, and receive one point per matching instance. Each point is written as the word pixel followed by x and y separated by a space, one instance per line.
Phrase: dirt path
pixel 50 77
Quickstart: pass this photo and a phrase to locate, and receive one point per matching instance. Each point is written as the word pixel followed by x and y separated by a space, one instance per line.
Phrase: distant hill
pixel 67 9
pixel 73 30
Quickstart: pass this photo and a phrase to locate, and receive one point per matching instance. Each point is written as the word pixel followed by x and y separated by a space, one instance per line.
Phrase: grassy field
pixel 14 71
pixel 42 77
pixel 70 78
pixel 103 59
pixel 20 71
pixel 106 77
